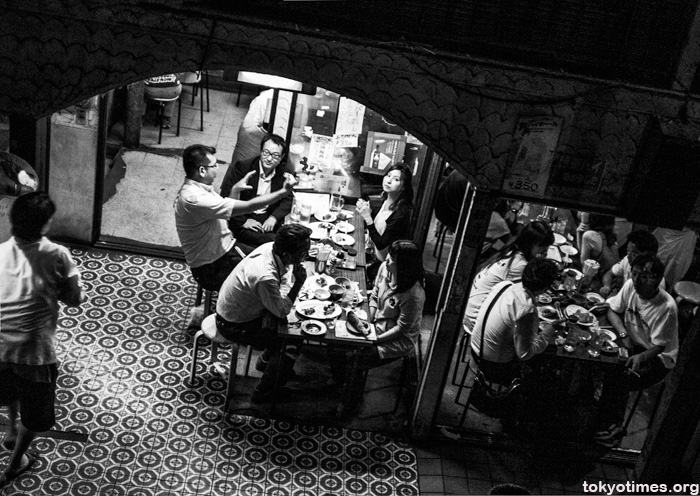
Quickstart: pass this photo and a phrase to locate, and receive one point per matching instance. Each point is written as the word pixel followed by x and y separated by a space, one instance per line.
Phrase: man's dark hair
pixel 291 238
pixel 644 241
pixel 539 273
pixel 30 213
pixel 277 140
pixel 650 263
pixel 194 157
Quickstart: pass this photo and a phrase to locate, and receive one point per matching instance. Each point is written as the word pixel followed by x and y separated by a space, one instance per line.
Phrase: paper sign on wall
pixel 537 139
pixel 321 150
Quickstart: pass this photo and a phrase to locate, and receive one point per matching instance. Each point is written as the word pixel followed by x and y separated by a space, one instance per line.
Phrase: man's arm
pixel 635 361
pixel 72 294
pixel 249 206
pixel 526 338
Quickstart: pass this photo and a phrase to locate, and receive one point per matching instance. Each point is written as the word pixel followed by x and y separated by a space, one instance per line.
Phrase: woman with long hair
pixel 392 221
pixel 396 309
pixel 532 242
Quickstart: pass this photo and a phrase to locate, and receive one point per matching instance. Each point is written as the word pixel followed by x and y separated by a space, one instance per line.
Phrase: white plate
pixel 595 298
pixel 313 309
pixel 573 309
pixel 326 216
pixel 343 239
pixel 319 281
pixel 608 334
pixel 319 230
pixel 559 239
pixel 344 227
pixel 568 250
pixel 609 347
pixel 578 274
pixel 540 312
pixel 313 327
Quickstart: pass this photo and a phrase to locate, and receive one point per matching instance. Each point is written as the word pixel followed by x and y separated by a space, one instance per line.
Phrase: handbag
pixel 493 401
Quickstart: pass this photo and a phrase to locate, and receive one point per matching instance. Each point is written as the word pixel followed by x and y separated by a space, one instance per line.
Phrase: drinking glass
pixel 295 214
pixel 337 202
pixel 305 212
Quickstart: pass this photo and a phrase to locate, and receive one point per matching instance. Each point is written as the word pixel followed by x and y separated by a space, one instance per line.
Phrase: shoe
pixel 6 478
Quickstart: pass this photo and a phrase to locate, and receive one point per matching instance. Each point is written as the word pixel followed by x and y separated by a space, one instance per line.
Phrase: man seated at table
pixel 258 227
pixel 201 217
pixel 257 294
pixel 639 242
pixel 646 318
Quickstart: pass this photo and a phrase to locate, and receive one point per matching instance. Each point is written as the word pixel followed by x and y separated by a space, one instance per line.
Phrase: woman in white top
pixel 533 242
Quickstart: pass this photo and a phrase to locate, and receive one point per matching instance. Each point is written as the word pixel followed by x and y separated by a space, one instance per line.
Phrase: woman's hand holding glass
pixel 363 208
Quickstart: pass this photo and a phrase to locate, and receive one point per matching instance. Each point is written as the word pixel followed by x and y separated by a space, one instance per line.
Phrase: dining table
pixel 320 321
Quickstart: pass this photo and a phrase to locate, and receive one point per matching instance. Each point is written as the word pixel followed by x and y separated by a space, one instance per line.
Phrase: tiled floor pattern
pixel 124 387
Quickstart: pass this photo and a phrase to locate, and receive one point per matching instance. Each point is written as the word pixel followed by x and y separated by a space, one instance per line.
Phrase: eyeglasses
pixel 215 166
pixel 274 156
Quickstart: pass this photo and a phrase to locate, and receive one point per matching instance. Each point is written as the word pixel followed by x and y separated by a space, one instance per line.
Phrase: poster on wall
pixel 83 114
pixel 383 149
pixel 321 151
pixel 536 139
pixel 578 172
pixel 351 115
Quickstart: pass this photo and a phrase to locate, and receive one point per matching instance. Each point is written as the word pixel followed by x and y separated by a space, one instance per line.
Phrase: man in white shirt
pixel 645 316
pixel 267 169
pixel 640 242
pixel 258 293
pixel 202 215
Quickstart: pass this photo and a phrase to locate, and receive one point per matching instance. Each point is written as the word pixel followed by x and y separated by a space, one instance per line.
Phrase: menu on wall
pixel 320 150
pixel 536 139
pixel 350 117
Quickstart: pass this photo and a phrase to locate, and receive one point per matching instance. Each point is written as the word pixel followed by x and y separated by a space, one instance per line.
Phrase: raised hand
pixel 242 185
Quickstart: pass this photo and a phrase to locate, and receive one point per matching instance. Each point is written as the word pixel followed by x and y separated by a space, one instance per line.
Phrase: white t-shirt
pixel 486 280
pixel 623 270
pixel 649 322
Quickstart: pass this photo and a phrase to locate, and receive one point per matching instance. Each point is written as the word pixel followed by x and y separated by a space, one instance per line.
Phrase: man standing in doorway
pixel 201 217
pixel 35 275
pixel 268 170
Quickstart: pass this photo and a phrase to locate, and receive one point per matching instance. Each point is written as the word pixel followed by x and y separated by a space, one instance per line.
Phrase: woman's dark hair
pixel 406 197
pixel 539 273
pixel 29 215
pixel 536 233
pixel 409 264
pixel 604 224
pixel 194 157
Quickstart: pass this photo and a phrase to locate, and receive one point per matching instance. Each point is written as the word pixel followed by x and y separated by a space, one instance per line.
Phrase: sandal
pixel 6 478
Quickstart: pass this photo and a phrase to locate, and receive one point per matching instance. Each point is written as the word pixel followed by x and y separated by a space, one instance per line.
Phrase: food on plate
pixel 329 309
pixel 326 216
pixel 308 311
pixel 325 225
pixel 321 282
pixel 360 325
pixel 583 317
pixel 608 347
pixel 548 313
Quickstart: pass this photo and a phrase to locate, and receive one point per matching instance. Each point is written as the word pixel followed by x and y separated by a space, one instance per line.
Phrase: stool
pixel 160 102
pixel 689 291
pixel 210 331
pixel 406 362
pixel 194 79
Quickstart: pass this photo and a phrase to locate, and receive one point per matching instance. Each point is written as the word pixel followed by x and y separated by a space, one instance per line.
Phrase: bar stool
pixel 160 103
pixel 210 331
pixel 194 79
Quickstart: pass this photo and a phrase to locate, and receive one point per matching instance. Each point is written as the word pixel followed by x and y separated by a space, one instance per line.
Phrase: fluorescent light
pixel 269 80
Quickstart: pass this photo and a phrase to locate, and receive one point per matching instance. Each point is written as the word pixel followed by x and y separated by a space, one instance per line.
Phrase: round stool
pixel 210 331
pixel 689 291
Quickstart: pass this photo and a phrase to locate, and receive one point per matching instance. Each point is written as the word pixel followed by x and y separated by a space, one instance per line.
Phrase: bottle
pixel 375 158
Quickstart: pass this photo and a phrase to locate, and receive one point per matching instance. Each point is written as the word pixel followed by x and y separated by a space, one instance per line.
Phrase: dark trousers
pixel 352 367
pixel 254 238
pixel 213 275
pixel 261 334
pixel 617 387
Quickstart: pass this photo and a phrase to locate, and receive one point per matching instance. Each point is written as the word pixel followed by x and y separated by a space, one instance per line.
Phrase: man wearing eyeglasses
pixel 267 169
pixel 202 216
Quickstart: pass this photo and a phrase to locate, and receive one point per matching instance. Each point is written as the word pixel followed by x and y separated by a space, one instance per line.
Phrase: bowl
pixel 336 291
pixel 322 294
pixel 344 282
pixel 545 299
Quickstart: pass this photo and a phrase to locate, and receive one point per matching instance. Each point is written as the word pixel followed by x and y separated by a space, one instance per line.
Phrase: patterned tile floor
pixel 128 422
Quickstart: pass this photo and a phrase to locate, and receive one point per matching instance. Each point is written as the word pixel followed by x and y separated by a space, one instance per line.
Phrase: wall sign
pixel 536 139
